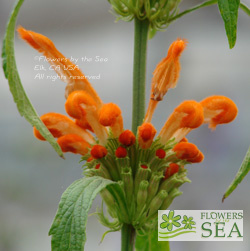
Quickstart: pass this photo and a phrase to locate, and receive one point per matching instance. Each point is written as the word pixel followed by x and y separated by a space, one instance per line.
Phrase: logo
pixel 200 225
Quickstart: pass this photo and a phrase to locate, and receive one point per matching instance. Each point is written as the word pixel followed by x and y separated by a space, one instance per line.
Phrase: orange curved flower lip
pixel 66 70
pixel 218 110
pixel 187 116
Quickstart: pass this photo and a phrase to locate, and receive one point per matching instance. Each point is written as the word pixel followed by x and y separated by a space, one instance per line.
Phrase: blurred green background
pixel 33 177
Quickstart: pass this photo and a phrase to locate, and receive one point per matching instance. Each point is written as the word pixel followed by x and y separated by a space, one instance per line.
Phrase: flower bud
pixel 127 138
pixel 110 115
pixel 160 153
pixel 121 152
pixel 146 133
pixel 171 170
pixel 98 152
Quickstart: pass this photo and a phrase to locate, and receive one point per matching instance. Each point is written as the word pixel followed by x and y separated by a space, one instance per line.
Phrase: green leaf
pixel 243 171
pixel 69 227
pixel 245 8
pixel 229 13
pixel 150 243
pixel 24 106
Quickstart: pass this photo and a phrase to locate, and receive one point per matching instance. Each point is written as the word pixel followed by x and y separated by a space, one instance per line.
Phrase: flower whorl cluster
pixel 159 13
pixel 149 168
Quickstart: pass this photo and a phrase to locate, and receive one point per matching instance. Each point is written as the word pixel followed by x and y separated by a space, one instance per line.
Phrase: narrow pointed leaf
pixel 245 8
pixel 243 171
pixel 24 106
pixel 68 229
pixel 150 243
pixel 229 13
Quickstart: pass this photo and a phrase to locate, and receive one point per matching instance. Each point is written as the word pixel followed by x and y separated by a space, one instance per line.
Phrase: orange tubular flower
pixel 60 125
pixel 165 76
pixel 110 115
pixel 187 116
pixel 73 143
pixel 146 133
pixel 65 69
pixel 218 110
pixel 81 105
pixel 189 152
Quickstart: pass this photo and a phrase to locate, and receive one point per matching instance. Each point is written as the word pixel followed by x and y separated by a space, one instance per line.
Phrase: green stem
pixel 205 4
pixel 139 73
pixel 128 238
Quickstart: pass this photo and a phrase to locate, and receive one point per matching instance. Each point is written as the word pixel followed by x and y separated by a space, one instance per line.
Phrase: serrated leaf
pixel 24 106
pixel 150 243
pixel 68 229
pixel 229 13
pixel 243 171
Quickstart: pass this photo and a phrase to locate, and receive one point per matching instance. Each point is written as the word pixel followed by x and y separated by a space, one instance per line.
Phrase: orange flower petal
pixel 188 151
pixel 187 116
pixel 218 110
pixel 81 105
pixel 83 123
pixel 75 101
pixel 73 143
pixel 167 71
pixel 110 115
pixel 198 158
pixel 67 71
pixel 165 76
pixel 60 125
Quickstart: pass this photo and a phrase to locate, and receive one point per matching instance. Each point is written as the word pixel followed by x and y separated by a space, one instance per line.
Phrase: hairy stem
pixel 139 73
pixel 128 238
